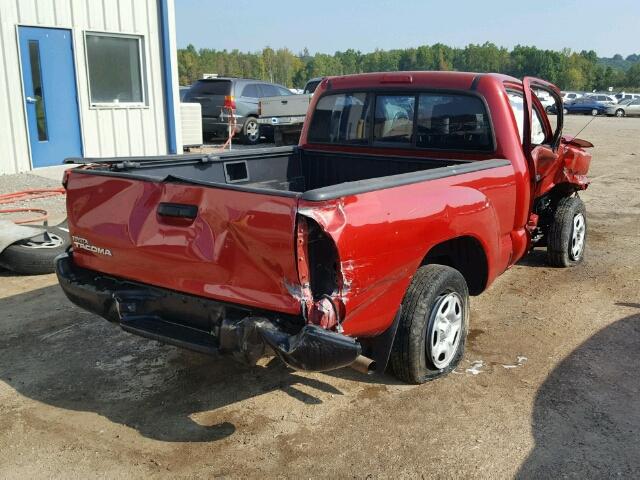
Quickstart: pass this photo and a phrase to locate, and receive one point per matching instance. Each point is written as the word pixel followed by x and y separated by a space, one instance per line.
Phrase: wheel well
pixel 466 255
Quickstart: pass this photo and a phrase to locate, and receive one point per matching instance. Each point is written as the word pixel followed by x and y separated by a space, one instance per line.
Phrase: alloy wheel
pixel 445 328
pixel 577 236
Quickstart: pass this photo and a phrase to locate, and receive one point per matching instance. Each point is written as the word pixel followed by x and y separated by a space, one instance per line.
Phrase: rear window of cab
pixel 429 120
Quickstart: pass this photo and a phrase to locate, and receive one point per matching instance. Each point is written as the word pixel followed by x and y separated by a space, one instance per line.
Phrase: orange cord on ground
pixel 26 195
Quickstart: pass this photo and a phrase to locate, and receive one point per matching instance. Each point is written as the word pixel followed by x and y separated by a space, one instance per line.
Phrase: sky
pixel 327 26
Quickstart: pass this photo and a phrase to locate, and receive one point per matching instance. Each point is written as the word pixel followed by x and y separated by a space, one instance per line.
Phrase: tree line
pixel 568 69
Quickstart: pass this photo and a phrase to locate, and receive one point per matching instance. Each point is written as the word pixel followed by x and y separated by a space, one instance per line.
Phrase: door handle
pixel 284 102
pixel 177 214
pixel 31 100
pixel 178 210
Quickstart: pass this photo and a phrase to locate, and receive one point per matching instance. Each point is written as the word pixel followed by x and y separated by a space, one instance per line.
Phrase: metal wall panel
pixel 106 131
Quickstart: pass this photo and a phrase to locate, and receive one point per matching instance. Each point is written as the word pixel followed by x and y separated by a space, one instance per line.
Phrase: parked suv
pixel 220 95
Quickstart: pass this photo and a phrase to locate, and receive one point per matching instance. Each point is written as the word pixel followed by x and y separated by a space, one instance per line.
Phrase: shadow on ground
pixel 57 354
pixel 586 419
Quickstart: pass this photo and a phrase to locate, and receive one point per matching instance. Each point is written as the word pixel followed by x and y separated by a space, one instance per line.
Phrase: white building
pixel 92 78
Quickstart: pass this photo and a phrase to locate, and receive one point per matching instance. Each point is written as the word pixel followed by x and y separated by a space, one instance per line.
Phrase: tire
pixel 412 357
pixel 619 112
pixel 35 255
pixel 565 111
pixel 567 235
pixel 251 131
pixel 594 112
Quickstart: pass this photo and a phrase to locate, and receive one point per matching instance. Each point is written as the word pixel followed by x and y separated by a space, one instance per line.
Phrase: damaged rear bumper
pixel 204 325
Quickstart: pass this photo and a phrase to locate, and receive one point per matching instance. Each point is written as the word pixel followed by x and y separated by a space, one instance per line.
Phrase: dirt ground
pixel 549 386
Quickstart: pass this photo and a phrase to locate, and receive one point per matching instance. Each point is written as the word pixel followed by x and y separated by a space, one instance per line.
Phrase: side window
pixel 269 90
pixel 250 90
pixel 284 91
pixel 341 118
pixel 454 122
pixel 537 131
pixel 394 119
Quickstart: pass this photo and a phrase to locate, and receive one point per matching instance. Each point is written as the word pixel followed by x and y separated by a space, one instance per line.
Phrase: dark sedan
pixel 584 105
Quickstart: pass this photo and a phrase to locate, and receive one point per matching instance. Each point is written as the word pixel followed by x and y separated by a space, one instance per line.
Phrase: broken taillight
pixel 317 264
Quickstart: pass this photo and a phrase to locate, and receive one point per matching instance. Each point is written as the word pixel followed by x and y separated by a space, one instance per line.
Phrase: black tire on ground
pixel 567 235
pixel 35 256
pixel 594 112
pixel 620 113
pixel 250 131
pixel 431 287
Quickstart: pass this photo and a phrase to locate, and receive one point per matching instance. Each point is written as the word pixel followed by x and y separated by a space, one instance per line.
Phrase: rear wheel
pixel 567 233
pixel 433 325
pixel 251 131
pixel 565 111
pixel 594 112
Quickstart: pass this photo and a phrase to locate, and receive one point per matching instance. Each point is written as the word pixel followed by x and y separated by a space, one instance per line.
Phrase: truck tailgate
pixel 289 105
pixel 238 246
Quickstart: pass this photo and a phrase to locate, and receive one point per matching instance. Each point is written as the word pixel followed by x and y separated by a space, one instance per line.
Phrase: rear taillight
pixel 230 102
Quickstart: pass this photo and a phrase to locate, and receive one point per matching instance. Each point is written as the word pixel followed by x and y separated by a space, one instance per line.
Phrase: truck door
pixel 541 136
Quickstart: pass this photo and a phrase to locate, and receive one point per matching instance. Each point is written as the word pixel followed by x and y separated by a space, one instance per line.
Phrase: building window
pixel 114 65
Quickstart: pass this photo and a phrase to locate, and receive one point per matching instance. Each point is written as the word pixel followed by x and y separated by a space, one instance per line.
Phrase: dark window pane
pixel 394 119
pixel 38 93
pixel 284 91
pixel 114 69
pixel 211 87
pixel 341 118
pixel 453 122
pixel 251 91
pixel 269 90
pixel 310 87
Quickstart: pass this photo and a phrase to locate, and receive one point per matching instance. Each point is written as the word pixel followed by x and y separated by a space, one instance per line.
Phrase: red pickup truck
pixel 408 192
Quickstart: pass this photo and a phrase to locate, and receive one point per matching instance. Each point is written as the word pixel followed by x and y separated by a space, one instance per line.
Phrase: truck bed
pixel 223 226
pixel 287 171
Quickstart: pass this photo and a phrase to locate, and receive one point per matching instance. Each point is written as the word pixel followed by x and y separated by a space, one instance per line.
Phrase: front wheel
pixel 567 233
pixel 565 111
pixel 251 131
pixel 433 325
pixel 619 113
pixel 594 112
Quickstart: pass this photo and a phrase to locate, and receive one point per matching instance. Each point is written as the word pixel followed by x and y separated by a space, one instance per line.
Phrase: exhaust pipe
pixel 364 365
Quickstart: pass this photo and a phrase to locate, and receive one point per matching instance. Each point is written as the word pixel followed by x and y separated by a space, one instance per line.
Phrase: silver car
pixel 624 108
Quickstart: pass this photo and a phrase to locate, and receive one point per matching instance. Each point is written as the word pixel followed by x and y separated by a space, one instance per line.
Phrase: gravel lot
pixel 548 388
